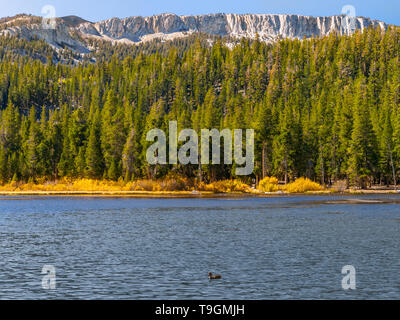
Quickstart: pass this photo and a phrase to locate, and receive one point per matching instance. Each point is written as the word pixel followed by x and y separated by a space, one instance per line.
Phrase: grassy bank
pixel 177 187
pixel 89 186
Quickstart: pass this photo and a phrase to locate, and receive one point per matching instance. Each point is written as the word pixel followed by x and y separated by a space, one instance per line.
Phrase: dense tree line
pixel 324 108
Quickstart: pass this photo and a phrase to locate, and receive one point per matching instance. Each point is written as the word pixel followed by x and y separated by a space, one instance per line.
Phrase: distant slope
pixel 73 21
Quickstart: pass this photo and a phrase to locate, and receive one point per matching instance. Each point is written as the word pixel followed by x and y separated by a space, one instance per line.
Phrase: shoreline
pixel 188 194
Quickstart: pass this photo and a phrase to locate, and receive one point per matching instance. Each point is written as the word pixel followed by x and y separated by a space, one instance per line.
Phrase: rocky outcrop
pixel 60 36
pixel 268 27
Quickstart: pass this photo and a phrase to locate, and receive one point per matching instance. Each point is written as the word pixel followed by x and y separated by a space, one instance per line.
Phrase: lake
pixel 289 247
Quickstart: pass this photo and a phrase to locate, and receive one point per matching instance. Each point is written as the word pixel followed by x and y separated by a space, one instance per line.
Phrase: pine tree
pixel 94 156
pixel 130 157
pixel 32 146
pixel 363 146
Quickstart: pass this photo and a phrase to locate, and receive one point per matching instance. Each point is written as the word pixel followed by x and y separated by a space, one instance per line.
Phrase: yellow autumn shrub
pixel 225 186
pixel 65 185
pixel 268 184
pixel 302 185
pixel 168 184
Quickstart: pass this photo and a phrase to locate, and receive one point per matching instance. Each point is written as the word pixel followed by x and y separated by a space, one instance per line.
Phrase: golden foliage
pixel 226 186
pixel 269 184
pixel 90 185
pixel 170 184
pixel 302 185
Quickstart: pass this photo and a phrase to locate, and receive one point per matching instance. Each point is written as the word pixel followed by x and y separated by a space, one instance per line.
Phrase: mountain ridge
pixel 73 31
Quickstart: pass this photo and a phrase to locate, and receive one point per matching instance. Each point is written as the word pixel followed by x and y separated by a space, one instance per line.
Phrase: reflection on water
pixel 265 248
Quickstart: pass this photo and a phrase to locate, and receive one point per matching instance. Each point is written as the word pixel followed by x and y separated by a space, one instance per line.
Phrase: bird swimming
pixel 214 277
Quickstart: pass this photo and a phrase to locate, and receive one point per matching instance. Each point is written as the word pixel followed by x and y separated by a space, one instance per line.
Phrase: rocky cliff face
pixel 59 35
pixel 167 26
pixel 268 27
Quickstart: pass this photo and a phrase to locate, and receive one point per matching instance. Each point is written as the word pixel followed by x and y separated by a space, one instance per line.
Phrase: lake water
pixel 265 248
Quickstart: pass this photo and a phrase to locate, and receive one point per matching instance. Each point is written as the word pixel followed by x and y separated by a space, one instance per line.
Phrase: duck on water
pixel 211 276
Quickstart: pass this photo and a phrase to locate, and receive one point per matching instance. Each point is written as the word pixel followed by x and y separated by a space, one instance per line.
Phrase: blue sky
pixel 94 10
